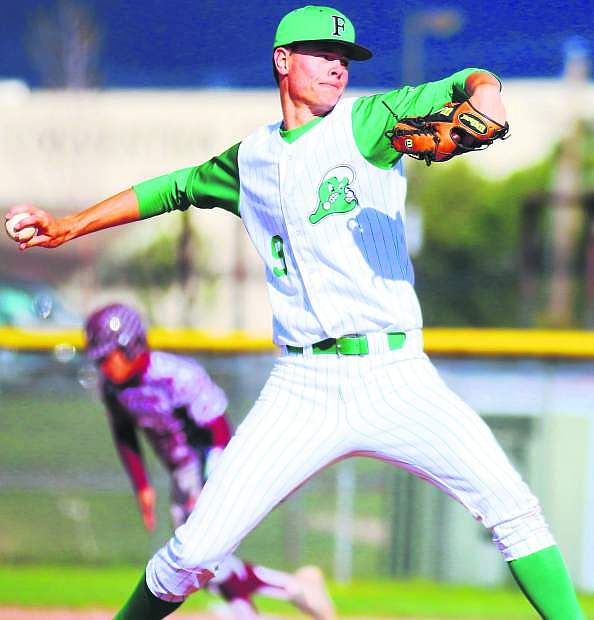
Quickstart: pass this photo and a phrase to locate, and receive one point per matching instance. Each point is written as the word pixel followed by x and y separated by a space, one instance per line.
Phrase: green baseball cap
pixel 320 23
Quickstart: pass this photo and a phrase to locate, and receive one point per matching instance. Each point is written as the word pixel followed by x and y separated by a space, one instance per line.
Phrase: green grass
pixel 69 460
pixel 85 587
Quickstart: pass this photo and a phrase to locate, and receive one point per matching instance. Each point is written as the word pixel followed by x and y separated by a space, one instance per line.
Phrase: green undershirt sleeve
pixel 371 118
pixel 214 183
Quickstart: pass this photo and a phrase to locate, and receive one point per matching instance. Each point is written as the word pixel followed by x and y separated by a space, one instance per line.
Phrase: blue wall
pixel 185 43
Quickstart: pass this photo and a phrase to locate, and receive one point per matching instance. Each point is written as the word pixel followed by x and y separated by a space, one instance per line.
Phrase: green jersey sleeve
pixel 214 183
pixel 372 118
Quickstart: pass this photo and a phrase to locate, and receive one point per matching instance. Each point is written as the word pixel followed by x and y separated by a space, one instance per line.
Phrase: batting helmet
pixel 116 326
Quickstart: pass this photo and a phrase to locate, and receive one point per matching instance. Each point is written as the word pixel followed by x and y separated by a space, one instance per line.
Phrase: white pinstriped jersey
pixel 329 226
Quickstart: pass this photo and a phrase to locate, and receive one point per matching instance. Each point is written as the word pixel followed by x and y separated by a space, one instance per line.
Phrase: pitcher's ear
pixel 280 60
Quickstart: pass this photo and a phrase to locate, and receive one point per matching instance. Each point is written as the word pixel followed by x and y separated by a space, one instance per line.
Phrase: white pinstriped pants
pixel 316 409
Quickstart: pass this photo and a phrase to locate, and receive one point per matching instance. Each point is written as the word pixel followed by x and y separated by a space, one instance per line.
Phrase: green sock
pixel 544 579
pixel 144 605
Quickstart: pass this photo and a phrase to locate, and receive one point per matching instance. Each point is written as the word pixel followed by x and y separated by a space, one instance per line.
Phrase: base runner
pixel 182 413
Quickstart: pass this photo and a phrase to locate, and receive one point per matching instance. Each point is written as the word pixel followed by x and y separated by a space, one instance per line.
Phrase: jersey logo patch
pixel 335 194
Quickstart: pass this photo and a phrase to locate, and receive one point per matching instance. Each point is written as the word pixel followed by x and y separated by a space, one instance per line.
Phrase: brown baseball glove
pixel 455 129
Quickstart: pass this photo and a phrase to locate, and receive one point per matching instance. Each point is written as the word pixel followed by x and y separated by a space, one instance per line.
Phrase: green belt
pixel 350 345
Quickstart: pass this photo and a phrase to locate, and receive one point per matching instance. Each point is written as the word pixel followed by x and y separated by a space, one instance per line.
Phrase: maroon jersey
pixel 176 404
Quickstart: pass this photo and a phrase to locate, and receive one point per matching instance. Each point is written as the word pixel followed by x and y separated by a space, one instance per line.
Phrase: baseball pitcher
pixel 322 196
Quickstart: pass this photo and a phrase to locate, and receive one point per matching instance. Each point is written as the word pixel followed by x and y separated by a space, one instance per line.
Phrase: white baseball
pixel 22 235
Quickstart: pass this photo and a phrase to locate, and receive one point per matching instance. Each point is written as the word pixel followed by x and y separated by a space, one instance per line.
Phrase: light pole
pixel 417 27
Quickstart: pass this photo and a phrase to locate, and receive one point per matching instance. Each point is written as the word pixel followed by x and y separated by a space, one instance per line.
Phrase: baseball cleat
pixel 310 595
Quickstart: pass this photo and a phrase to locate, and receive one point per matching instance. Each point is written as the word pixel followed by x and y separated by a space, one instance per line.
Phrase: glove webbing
pixel 420 127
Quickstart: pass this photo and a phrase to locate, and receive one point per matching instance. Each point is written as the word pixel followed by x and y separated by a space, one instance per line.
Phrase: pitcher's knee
pixel 522 533
pixel 173 576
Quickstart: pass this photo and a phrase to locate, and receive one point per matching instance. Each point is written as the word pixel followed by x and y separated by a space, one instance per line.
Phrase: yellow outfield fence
pixel 472 342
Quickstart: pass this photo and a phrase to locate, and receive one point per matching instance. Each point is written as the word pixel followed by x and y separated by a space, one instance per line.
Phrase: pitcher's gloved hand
pixel 455 129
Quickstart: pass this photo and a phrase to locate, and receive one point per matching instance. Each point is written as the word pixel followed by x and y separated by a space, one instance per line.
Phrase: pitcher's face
pixel 318 73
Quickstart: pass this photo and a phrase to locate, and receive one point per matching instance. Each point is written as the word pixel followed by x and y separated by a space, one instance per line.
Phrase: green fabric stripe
pixel 214 183
pixel 290 135
pixel 544 579
pixel 371 117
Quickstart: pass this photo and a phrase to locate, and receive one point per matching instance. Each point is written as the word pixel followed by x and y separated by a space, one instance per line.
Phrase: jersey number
pixel 278 252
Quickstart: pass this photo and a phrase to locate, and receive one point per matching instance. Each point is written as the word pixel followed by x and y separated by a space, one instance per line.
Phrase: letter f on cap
pixel 338 25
